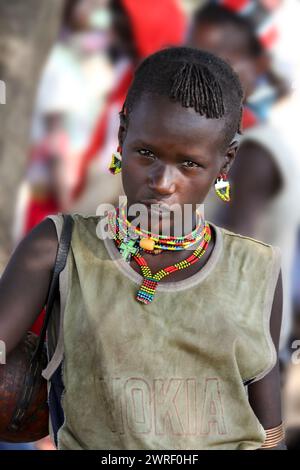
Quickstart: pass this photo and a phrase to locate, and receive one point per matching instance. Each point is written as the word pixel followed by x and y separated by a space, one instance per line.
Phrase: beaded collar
pixel 132 248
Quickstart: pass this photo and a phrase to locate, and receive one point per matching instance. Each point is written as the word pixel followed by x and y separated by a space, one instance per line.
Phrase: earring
pixel 222 187
pixel 116 162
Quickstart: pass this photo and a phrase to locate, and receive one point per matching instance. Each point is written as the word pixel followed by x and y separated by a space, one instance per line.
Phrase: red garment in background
pixel 155 24
pixel 249 118
pixel 37 211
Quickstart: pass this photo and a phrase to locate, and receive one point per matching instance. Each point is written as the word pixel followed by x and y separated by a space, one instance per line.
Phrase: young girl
pixel 153 356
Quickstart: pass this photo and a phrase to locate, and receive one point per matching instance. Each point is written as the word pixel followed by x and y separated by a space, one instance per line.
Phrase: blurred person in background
pixel 44 172
pixel 137 30
pixel 264 181
pixel 44 189
pixel 71 93
pixel 78 76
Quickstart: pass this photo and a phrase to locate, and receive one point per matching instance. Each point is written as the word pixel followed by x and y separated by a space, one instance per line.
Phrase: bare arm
pixel 264 395
pixel 25 282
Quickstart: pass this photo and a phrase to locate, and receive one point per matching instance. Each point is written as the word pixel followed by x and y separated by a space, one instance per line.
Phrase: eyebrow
pixel 152 147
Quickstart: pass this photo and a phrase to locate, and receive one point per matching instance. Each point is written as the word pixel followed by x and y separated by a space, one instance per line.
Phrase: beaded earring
pixel 116 162
pixel 222 187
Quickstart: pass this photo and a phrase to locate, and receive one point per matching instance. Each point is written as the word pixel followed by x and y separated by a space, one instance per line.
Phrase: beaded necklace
pixel 129 248
pixel 134 239
pixel 161 242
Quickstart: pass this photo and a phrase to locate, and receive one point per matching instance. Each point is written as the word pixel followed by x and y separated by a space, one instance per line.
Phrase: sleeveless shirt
pixel 172 374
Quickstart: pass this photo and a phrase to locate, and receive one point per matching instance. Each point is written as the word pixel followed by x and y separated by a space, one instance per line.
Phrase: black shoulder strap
pixel 60 262
pixel 36 364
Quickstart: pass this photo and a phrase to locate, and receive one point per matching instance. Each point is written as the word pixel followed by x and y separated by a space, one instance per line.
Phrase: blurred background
pixel 67 65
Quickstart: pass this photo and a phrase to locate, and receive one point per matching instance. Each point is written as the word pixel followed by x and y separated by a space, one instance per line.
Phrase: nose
pixel 162 180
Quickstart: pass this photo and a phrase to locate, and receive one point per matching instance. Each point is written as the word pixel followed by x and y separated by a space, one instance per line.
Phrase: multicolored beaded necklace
pixel 131 248
pixel 155 244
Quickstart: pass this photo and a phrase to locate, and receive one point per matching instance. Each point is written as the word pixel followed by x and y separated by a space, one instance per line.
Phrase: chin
pixel 159 223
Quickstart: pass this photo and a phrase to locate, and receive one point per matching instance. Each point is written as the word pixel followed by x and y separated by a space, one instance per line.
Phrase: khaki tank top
pixel 172 374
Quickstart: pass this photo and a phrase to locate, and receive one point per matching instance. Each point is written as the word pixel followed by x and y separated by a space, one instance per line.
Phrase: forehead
pixel 158 119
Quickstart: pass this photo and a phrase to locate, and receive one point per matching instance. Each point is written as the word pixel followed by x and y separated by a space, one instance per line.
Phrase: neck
pixel 154 225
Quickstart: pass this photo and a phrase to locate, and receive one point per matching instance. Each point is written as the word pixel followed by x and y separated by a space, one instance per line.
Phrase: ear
pixel 230 155
pixel 122 129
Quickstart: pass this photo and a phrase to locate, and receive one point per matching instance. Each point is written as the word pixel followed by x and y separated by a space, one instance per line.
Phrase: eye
pixel 146 153
pixel 190 164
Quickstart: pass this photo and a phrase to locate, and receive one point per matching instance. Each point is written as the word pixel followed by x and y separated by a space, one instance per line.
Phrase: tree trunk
pixel 28 29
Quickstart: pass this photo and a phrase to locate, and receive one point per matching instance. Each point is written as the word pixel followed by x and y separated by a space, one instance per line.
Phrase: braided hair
pixel 195 79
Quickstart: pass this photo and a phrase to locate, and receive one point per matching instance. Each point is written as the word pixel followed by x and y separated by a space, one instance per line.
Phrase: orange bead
pixel 147 244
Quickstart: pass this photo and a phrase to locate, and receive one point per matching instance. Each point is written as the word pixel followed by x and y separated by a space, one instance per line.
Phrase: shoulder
pixel 81 222
pixel 41 242
pixel 246 242
pixel 250 252
pixel 88 235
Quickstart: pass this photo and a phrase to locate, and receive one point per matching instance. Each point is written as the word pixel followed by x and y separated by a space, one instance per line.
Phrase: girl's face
pixel 171 154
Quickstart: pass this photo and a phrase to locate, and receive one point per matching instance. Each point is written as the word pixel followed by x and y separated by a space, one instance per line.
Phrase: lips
pixel 159 206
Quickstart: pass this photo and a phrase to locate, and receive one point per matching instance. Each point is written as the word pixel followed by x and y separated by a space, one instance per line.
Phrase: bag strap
pixel 36 364
pixel 60 262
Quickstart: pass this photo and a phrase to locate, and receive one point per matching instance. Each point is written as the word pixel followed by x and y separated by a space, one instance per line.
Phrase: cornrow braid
pixel 195 79
pixel 197 88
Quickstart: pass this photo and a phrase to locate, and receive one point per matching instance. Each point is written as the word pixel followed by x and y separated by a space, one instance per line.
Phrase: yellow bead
pixel 147 244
